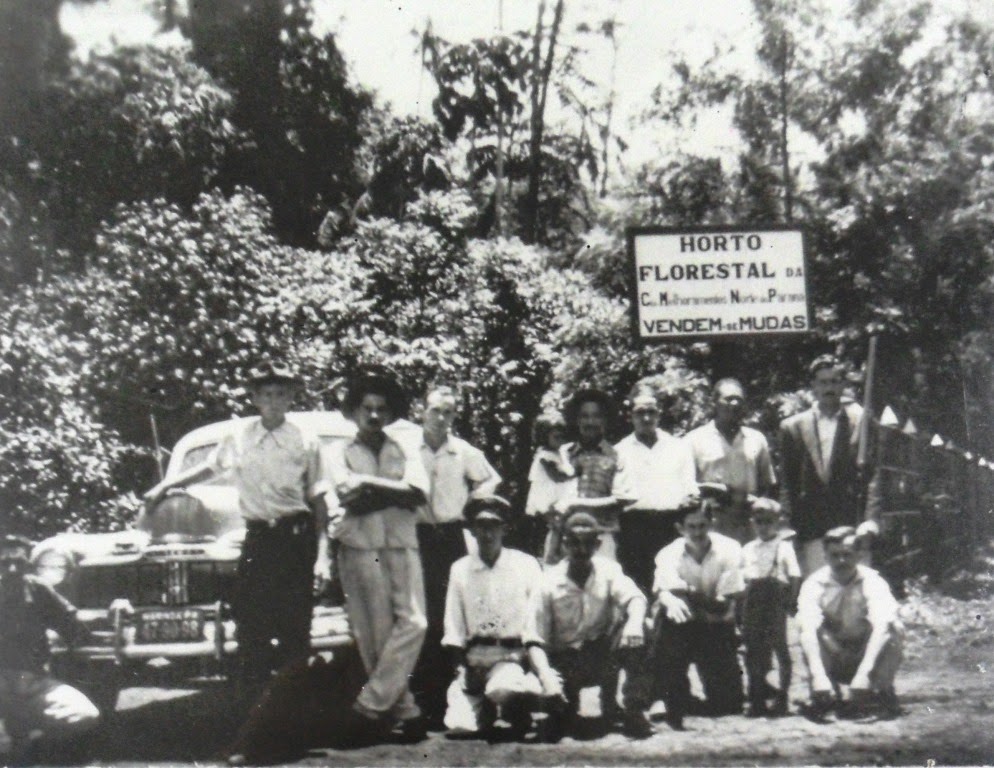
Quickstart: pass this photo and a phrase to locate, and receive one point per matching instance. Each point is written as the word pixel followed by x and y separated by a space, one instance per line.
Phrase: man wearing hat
pixel 381 487
pixel 31 700
pixel 488 627
pixel 278 473
pixel 589 616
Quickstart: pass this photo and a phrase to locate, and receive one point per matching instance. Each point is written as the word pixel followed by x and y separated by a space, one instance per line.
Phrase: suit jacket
pixel 815 505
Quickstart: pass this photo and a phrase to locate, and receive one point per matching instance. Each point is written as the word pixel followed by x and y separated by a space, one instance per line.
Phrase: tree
pixel 294 100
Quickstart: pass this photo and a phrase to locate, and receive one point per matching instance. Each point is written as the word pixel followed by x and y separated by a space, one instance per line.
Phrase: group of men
pixel 646 576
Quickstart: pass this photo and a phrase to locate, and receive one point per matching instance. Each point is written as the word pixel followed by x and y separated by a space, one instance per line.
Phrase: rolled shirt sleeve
pixel 881 606
pixel 317 481
pixel 479 470
pixel 809 613
pixel 456 633
pixel 667 577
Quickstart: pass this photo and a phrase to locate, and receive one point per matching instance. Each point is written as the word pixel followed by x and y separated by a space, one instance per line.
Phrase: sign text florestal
pixel 715 284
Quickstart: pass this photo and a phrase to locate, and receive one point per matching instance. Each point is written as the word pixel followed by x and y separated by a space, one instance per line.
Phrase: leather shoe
pixel 636 725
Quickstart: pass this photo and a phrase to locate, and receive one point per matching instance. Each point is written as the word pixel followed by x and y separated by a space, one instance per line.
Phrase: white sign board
pixel 718 282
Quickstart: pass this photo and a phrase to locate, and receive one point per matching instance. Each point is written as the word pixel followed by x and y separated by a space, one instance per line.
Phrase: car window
pixel 197 455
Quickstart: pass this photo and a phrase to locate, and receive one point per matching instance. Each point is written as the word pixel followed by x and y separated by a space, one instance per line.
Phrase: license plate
pixel 170 626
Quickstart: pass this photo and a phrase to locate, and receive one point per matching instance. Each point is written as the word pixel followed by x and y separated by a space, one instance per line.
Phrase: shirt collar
pixel 708 554
pixel 449 445
pixel 603 447
pixel 478 565
pixel 819 415
pixel 260 433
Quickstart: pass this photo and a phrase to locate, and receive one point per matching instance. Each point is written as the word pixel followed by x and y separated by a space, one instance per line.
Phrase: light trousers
pixel 385 599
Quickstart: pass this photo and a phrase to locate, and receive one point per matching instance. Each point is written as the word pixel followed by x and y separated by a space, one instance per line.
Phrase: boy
pixel 773 578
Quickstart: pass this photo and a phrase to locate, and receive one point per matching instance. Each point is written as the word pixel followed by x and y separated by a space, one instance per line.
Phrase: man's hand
pixel 323 568
pixel 677 610
pixel 632 636
pixel 552 685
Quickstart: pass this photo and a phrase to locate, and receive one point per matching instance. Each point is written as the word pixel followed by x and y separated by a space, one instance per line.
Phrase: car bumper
pixel 113 636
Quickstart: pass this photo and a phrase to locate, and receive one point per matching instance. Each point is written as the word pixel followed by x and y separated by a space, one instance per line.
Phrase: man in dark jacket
pixel 33 705
pixel 821 485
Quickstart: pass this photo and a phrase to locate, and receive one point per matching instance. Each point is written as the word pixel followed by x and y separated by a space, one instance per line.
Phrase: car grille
pixel 181 582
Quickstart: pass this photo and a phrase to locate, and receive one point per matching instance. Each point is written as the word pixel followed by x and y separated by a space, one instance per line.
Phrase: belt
pixel 497 642
pixel 296 524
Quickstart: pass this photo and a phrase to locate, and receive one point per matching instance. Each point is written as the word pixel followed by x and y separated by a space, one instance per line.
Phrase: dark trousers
pixel 274 595
pixel 598 662
pixel 764 630
pixel 642 534
pixel 441 545
pixel 712 648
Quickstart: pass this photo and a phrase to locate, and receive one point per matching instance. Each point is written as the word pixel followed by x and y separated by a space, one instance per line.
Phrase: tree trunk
pixel 542 73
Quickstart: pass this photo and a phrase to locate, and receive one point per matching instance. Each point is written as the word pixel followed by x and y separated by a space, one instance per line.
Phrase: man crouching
pixel 850 632
pixel 487 628
pixel 590 617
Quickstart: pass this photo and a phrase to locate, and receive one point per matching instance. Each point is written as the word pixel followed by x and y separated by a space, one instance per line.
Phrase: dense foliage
pixel 170 215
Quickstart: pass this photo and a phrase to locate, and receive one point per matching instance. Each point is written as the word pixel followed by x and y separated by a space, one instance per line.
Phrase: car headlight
pixel 52 567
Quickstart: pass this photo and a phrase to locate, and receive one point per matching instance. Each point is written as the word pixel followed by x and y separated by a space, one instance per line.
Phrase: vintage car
pixel 158 595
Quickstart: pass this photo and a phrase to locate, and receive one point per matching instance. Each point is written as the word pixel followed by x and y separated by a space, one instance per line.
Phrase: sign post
pixel 717 283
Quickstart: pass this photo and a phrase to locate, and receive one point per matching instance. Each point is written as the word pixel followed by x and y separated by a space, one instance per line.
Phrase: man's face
pixel 273 400
pixel 580 548
pixel 767 525
pixel 440 412
pixel 372 414
pixel 590 422
pixel 645 417
pixel 827 387
pixel 841 557
pixel 729 406
pixel 695 528
pixel 489 535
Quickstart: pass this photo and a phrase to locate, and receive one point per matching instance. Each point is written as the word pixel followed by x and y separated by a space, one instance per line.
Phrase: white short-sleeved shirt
pixel 660 477
pixel 543 490
pixel 276 471
pixel 743 464
pixel 568 615
pixel 390 527
pixel 455 470
pixel 491 602
pixel 773 559
pixel 850 610
pixel 719 574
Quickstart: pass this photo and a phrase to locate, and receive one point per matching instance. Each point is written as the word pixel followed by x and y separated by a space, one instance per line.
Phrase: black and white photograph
pixel 496 382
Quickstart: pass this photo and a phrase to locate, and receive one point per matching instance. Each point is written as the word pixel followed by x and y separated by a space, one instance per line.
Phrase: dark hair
pixel 839 534
pixel 587 395
pixel 544 424
pixel 376 383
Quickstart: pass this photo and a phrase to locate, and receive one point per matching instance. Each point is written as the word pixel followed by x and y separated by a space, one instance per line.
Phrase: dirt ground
pixel 945 688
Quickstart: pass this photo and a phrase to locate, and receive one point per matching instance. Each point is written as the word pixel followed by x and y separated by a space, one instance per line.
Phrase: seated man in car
pixel 488 626
pixel 38 711
pixel 589 616
pixel 849 630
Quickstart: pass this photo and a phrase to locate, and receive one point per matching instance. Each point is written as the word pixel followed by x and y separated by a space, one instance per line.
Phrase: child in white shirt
pixel 773 578
pixel 551 479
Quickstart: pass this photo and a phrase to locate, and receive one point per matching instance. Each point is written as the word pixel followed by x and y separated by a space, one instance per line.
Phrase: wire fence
pixel 936 499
